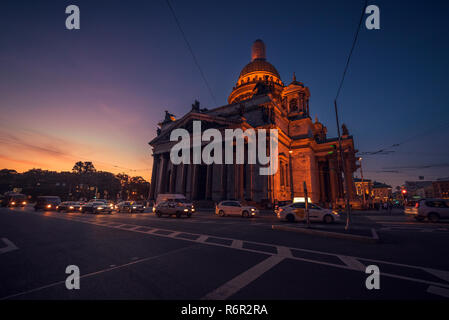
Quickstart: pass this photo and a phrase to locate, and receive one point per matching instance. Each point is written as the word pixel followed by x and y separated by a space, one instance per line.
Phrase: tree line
pixel 83 182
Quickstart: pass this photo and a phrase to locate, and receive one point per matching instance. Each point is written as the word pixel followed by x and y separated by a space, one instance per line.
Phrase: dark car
pixel 96 207
pixel 69 206
pixel 129 206
pixel 15 200
pixel 47 203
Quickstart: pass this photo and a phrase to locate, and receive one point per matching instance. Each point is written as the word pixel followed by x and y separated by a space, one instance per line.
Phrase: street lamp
pixel 363 184
pixel 345 184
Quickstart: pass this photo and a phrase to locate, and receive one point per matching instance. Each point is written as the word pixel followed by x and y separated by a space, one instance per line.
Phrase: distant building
pixel 419 189
pixel 441 188
pixel 366 185
pixel 381 192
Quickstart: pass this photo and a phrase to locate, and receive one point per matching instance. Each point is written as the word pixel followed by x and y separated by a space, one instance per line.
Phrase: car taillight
pixel 417 205
pixel 280 209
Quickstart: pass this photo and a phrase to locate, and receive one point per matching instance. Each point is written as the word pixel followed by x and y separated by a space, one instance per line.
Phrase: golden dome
pixel 257 70
pixel 259 65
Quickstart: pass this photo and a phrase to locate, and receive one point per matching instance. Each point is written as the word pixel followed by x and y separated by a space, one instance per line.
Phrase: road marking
pixel 236 284
pixel 112 267
pixel 202 239
pixel 439 273
pixel 284 252
pixel 352 263
pixel 438 291
pixel 237 244
pixel 9 246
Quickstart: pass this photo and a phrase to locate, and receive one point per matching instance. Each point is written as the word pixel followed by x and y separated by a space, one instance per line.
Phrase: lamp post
pixel 345 184
pixel 363 184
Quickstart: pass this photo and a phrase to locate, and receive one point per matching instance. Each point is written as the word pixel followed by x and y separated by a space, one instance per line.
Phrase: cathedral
pixel 260 100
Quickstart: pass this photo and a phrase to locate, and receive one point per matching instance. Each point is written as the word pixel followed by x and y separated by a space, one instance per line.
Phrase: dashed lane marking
pixel 438 291
pixel 347 262
pixel 111 268
pixel 242 280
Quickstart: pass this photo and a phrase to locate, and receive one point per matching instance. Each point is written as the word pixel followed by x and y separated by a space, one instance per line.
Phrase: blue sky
pixel 98 93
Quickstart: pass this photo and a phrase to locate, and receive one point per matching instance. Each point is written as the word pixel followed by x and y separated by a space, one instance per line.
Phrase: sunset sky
pixel 96 94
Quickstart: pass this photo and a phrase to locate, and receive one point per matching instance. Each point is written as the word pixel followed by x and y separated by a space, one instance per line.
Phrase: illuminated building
pixel 260 100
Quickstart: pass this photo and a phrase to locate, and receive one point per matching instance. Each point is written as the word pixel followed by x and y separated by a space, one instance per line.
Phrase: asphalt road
pixel 140 256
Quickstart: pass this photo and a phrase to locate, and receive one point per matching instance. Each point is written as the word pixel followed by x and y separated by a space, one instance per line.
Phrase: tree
pixel 83 167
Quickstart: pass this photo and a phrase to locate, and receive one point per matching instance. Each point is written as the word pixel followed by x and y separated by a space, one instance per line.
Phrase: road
pixel 140 256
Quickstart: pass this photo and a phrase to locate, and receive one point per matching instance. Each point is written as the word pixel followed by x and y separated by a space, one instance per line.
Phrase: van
pixel 168 196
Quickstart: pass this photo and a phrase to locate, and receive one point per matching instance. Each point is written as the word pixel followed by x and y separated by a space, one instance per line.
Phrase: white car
pixel 235 208
pixel 432 209
pixel 297 212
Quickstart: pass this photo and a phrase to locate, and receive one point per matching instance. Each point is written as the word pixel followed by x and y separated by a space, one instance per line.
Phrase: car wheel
pixel 221 213
pixel 178 215
pixel 158 214
pixel 189 215
pixel 290 218
pixel 433 217
pixel 419 218
pixel 245 214
pixel 328 219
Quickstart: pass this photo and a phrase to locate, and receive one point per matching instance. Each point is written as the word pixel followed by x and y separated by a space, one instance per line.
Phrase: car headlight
pixel 252 209
pixel 185 210
pixel 335 213
pixel 71 207
pixel 13 203
pixel 100 208
pixel 24 202
pixel 134 207
pixel 48 205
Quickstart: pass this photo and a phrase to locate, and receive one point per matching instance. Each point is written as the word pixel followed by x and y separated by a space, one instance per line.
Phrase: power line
pixel 411 138
pixel 350 52
pixel 191 51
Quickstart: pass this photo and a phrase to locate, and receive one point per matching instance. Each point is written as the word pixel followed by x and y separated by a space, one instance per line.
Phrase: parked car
pixel 431 209
pixel 15 200
pixel 235 208
pixel 47 203
pixel 96 207
pixel 410 207
pixel 69 206
pixel 297 212
pixel 178 207
pixel 106 202
pixel 129 206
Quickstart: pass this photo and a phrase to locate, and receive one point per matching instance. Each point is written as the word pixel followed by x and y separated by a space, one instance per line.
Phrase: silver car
pixel 431 209
pixel 177 207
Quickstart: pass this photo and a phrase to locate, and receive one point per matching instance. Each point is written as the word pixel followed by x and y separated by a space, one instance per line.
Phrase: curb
pixel 374 239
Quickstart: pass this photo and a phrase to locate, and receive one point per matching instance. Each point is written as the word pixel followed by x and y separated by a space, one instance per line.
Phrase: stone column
pixel 183 178
pixel 321 167
pixel 161 180
pixel 333 180
pixel 171 177
pixel 209 182
pixel 224 181
pixel 154 176
pixel 194 188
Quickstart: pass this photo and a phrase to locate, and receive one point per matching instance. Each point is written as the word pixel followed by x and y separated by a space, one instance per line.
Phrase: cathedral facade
pixel 260 100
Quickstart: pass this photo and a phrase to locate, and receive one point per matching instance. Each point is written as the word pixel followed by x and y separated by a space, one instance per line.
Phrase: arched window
pixel 293 105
